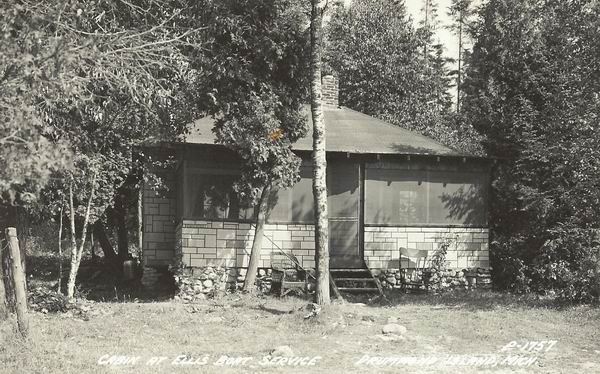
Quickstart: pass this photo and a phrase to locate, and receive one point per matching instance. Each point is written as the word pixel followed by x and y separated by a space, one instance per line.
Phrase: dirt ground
pixel 465 332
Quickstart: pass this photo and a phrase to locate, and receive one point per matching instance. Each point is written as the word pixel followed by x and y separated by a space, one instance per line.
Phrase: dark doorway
pixel 344 208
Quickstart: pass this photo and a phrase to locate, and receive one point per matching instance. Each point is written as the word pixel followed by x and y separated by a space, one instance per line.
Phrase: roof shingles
pixel 348 131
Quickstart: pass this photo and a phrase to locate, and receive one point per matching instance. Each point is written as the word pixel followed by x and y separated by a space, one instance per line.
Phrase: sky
pixel 448 39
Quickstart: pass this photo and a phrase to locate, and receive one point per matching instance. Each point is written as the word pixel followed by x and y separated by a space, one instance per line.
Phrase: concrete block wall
pixel 228 244
pixel 160 213
pixel 468 246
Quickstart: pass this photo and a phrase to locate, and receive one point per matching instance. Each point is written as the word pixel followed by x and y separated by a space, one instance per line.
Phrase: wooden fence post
pixel 3 300
pixel 18 277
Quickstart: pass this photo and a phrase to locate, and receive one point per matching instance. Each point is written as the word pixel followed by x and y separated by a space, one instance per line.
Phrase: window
pixel 294 204
pixel 421 197
pixel 211 196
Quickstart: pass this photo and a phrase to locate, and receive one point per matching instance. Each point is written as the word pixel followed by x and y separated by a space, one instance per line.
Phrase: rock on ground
pixel 393 328
pixel 282 351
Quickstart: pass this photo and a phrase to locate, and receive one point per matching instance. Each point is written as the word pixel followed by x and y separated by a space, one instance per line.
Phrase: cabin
pixel 388 189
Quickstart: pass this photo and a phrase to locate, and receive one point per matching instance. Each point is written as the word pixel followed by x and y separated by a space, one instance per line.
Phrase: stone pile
pixel 201 283
pixel 438 280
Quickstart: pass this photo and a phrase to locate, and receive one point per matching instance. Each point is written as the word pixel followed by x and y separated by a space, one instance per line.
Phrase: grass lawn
pixel 240 326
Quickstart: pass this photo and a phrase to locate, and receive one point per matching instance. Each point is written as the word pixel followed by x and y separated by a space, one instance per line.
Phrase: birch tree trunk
pixel 18 277
pixel 77 252
pixel 72 271
pixel 60 262
pixel 263 211
pixel 318 157
pixel 140 222
pixel 3 298
pixel 459 76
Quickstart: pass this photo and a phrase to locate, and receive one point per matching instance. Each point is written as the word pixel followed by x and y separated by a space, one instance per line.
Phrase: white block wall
pixel 227 244
pixel 160 211
pixel 468 246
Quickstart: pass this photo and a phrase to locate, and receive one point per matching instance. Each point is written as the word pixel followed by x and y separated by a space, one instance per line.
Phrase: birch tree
pixel 319 155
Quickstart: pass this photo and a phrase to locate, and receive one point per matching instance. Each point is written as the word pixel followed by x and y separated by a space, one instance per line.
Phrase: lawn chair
pixel 418 280
pixel 287 274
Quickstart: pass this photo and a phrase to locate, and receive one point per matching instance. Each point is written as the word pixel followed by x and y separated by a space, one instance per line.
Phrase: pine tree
pixel 532 91
pixel 384 72
pixel 461 12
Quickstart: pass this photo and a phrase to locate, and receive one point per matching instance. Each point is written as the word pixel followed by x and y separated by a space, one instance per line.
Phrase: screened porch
pixel 364 193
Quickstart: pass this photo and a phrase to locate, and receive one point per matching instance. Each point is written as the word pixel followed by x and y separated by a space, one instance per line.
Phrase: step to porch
pixel 355 280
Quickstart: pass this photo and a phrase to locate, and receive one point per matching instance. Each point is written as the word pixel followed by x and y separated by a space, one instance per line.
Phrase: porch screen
pixel 211 196
pixel 295 204
pixel 420 197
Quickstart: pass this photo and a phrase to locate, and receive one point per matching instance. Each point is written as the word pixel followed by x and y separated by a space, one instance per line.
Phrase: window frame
pixel 400 168
pixel 187 172
pixel 290 205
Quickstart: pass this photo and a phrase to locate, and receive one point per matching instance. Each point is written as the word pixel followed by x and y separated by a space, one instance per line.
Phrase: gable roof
pixel 347 131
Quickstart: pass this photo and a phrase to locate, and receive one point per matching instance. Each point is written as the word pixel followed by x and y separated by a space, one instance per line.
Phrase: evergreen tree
pixel 378 55
pixel 532 90
pixel 461 11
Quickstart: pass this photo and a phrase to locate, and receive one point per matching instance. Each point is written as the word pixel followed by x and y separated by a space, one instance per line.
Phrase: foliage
pixel 255 69
pixel 91 81
pixel 45 300
pixel 27 156
pixel 438 259
pixel 392 71
pixel 532 91
pixel 255 75
pixel 96 80
pixel 461 13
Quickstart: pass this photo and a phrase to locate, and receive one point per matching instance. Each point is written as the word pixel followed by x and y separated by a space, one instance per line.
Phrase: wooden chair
pixel 287 276
pixel 414 281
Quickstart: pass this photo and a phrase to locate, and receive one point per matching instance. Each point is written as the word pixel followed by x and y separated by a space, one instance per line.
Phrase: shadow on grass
pixel 475 300
pixel 97 280
pixel 273 311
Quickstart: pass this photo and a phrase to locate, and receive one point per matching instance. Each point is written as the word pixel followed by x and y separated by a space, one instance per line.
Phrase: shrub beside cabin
pixel 388 188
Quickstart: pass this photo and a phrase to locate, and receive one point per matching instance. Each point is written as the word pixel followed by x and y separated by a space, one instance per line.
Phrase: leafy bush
pixel 569 264
pixel 46 300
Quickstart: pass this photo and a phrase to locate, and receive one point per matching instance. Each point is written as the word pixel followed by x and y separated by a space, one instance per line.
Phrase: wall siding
pixel 226 244
pixel 205 243
pixel 159 217
pixel 468 246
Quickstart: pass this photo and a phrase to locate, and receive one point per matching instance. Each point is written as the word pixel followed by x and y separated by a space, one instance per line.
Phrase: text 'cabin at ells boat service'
pixel 395 199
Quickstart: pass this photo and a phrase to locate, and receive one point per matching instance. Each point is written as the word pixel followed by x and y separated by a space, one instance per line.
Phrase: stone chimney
pixel 330 88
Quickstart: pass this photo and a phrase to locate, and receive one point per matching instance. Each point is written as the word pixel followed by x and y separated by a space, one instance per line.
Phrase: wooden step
pixel 355 279
pixel 357 289
pixel 358 270
pixel 364 275
pixel 363 278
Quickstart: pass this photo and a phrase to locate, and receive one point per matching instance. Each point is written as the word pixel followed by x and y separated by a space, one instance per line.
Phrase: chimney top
pixel 330 90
